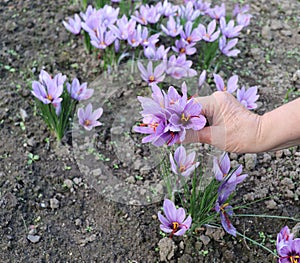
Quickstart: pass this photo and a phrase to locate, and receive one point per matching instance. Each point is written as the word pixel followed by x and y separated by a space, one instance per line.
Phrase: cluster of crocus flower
pixel 229 179
pixel 288 247
pixel 167 116
pixel 109 26
pixel 57 101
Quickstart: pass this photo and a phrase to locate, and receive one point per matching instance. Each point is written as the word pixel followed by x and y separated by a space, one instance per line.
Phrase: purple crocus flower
pixel 283 237
pixel 160 53
pixel 89 11
pixel 153 15
pixel 147 40
pixel 224 209
pixel 174 221
pixel 188 12
pixel 248 97
pixel 187 116
pixel 240 10
pixel 124 27
pixel 134 39
pixel 109 15
pixel 166 9
pixel 210 35
pixel 202 6
pixel 179 67
pixel 182 47
pixel 236 177
pixel 102 38
pixel 217 12
pixel 150 76
pixel 243 19
pixel 48 90
pixel 146 14
pixel 231 84
pixel 190 35
pixel 79 92
pixel 184 164
pixel 173 28
pixel 221 166
pixel 290 252
pixel 73 25
pixel 88 118
pixel 226 48
pixel 229 30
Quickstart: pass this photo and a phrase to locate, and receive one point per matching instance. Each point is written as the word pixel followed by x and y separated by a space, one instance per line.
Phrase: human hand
pixel 232 127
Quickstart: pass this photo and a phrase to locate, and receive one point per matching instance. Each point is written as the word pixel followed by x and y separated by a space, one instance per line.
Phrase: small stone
pixel 154 217
pixel 287 152
pixel 130 179
pixel 117 130
pixel 276 24
pixel 137 165
pixel 288 183
pixel 166 249
pixel 78 222
pixel 229 256
pixel 289 194
pixel 68 183
pixel 96 172
pixel 181 245
pixel 34 238
pixel 54 203
pixel 279 154
pixel 198 245
pixel 250 161
pixel 271 204
pixel 266 33
pixel 23 114
pixel 205 240
pixel 286 33
pixel 185 258
pixel 77 180
pixel 91 238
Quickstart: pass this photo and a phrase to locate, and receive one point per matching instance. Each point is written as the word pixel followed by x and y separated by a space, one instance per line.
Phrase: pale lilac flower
pixel 146 14
pixel 124 27
pixel 183 164
pixel 210 35
pixel 161 53
pixel 221 166
pixel 226 48
pixel 173 28
pixel 88 118
pixel 188 12
pixel 283 237
pixel 202 6
pixel 188 116
pixel 166 9
pixel 115 1
pixel 290 252
pixel 224 209
pixel 109 15
pixel 73 25
pixel 248 97
pixel 48 90
pixel 229 30
pixel 79 92
pixel 135 38
pixel 240 10
pixel 180 67
pixel 182 47
pixel 217 12
pixel 102 38
pixel 243 19
pixel 152 76
pixel 147 40
pixel 190 35
pixel 89 11
pixel 174 221
pixel 202 78
pixel 231 84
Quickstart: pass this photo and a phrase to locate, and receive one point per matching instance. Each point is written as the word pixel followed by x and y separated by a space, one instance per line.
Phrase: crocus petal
pixel 169 210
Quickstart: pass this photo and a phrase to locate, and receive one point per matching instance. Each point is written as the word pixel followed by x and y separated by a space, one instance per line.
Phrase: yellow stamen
pixel 182 50
pixel 87 123
pixel 151 78
pixel 225 88
pixel 182 168
pixel 49 97
pixel 175 226
pixel 189 40
pixel 183 118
